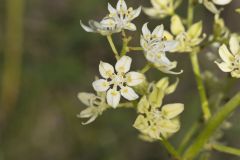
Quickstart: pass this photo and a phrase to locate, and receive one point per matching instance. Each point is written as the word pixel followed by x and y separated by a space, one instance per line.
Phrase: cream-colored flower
pixel 123 15
pixel 153 120
pixel 211 4
pixel 231 60
pixel 119 83
pixel 96 106
pixel 155 47
pixel 117 20
pixel 189 39
pixel 162 8
pixel 156 121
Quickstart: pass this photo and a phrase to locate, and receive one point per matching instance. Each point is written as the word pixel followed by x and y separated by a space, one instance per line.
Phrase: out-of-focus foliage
pixel 60 59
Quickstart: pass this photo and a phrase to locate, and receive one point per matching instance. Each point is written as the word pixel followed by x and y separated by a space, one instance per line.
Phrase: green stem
pixel 211 127
pixel 113 47
pixel 135 48
pixel 146 68
pixel 170 148
pixel 200 85
pixel 12 67
pixel 188 136
pixel 226 149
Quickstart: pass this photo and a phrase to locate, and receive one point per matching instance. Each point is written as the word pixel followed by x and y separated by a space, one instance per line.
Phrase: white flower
pixel 119 83
pixel 96 106
pixel 123 15
pixel 117 20
pixel 231 60
pixel 107 26
pixel 210 4
pixel 155 47
pixel 161 8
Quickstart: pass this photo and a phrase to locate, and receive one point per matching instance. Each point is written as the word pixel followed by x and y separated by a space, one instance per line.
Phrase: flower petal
pixel 143 105
pixel 170 45
pixel 121 6
pixel 146 32
pixel 129 93
pixel 141 123
pixel 169 126
pixel 176 25
pixel 195 30
pixel 235 74
pixel 111 9
pixel 123 64
pixel 225 67
pixel 100 85
pixel 134 78
pixel 172 110
pixel 158 31
pixel 221 2
pixel 234 45
pixel 225 54
pixel 113 98
pixel 135 13
pixel 86 28
pixel 130 26
pixel 85 98
pixel 106 69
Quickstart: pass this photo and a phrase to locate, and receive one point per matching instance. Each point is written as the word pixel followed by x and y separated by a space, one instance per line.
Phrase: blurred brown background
pixel 46 63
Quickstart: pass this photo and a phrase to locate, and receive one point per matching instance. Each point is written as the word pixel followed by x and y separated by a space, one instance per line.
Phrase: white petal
pixel 235 74
pixel 225 54
pixel 85 97
pixel 123 64
pixel 130 26
pixel 134 78
pixel 169 126
pixel 225 67
pixel 172 110
pixel 170 45
pixel 106 69
pixel 135 13
pixel 221 2
pixel 176 25
pixel 113 98
pixel 234 45
pixel 100 85
pixel 86 28
pixel 146 32
pixel 129 93
pixel 121 5
pixel 111 9
pixel 158 31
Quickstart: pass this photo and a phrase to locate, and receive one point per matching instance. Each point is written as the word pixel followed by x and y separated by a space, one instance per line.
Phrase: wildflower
pixel 231 60
pixel 211 4
pixel 219 28
pixel 119 83
pixel 155 48
pixel 155 121
pixel 189 39
pixel 123 15
pixel 96 106
pixel 162 8
pixel 117 20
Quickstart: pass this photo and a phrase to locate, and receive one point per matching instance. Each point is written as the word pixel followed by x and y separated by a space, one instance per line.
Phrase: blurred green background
pixel 44 64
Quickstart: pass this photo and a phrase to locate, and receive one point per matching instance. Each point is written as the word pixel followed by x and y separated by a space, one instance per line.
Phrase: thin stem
pixel 135 48
pixel 200 85
pixel 188 136
pixel 146 68
pixel 170 148
pixel 113 47
pixel 196 68
pixel 226 149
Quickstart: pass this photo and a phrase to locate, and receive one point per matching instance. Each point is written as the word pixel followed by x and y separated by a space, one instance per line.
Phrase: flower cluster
pixel 154 121
pixel 118 81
